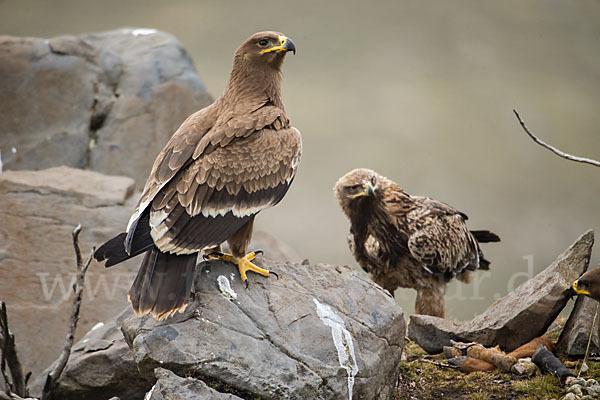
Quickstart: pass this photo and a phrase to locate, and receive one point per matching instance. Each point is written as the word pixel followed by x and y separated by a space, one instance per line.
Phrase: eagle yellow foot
pixel 244 263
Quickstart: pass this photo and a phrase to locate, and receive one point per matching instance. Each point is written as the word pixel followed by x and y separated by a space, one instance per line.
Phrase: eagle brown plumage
pixel 408 241
pixel 224 164
pixel 588 284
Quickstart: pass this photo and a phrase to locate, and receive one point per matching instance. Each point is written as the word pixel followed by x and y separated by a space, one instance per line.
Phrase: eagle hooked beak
pixel 285 44
pixel 579 291
pixel 368 190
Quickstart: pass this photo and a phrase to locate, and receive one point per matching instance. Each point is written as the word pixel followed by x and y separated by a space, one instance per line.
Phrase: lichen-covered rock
pixel 318 331
pixel 106 101
pixel 520 316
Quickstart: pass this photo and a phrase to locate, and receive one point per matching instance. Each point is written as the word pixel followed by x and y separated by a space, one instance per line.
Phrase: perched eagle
pixel 224 164
pixel 588 284
pixel 408 241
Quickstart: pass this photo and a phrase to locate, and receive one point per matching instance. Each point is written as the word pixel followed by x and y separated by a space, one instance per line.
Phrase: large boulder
pixel 107 101
pixel 318 331
pixel 520 316
pixel 39 210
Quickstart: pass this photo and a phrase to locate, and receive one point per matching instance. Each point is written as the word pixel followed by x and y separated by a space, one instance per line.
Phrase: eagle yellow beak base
pixel 368 190
pixel 285 44
pixel 579 291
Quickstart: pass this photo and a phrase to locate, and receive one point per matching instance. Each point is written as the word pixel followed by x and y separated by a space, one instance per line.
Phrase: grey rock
pixel 576 390
pixel 96 372
pixel 574 338
pixel 577 381
pixel 520 316
pixel 312 333
pixel 569 396
pixel 170 386
pixel 122 95
pixel 594 390
pixel 38 212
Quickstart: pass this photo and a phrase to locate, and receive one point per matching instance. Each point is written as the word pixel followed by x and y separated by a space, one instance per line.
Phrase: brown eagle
pixel 224 164
pixel 408 241
pixel 588 284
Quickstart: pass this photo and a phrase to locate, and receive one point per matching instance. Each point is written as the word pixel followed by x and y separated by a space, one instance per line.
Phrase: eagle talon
pixel 274 273
pixel 258 252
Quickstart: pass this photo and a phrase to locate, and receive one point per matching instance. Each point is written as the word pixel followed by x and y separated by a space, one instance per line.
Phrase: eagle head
pixel 588 284
pixel 265 48
pixel 357 186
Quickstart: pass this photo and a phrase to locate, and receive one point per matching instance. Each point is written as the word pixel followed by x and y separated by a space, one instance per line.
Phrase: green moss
pixel 420 379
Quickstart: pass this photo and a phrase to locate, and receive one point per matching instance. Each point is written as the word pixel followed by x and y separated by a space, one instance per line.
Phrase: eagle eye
pixel 263 42
pixel 373 180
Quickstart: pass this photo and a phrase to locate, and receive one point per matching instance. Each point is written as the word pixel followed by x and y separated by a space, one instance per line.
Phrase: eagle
pixel 408 241
pixel 223 165
pixel 588 284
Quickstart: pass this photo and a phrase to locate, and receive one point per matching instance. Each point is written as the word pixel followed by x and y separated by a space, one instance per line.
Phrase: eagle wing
pixel 214 175
pixel 439 238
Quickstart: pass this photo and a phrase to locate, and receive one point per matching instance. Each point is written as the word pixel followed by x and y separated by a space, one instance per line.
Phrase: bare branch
pixel 554 149
pixel 438 364
pixel 10 357
pixel 52 378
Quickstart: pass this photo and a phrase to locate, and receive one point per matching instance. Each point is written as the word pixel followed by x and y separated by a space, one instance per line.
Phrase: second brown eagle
pixel 409 241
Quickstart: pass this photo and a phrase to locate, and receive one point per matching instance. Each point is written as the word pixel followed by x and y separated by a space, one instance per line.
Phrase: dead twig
pixel 10 358
pixel 52 378
pixel 554 149
pixel 437 363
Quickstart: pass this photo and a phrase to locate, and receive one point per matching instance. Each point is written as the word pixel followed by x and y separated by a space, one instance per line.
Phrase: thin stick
pixel 438 364
pixel 554 149
pixel 52 378
pixel 10 357
pixel 589 343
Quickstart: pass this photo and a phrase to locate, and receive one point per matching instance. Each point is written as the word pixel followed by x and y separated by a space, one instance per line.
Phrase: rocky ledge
pixel 319 331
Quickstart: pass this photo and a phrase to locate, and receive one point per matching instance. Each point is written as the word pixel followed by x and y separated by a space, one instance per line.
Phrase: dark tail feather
pixel 163 283
pixel 485 236
pixel 114 252
pixel 483 263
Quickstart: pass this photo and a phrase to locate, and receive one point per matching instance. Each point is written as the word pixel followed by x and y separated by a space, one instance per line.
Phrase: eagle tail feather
pixel 163 283
pixel 484 264
pixel 485 236
pixel 113 251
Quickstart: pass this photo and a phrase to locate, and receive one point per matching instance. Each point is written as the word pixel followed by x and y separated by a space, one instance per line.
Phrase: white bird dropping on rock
pixel 342 340
pixel 225 287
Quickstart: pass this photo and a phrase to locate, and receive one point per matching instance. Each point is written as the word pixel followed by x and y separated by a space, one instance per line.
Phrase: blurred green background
pixel 420 91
